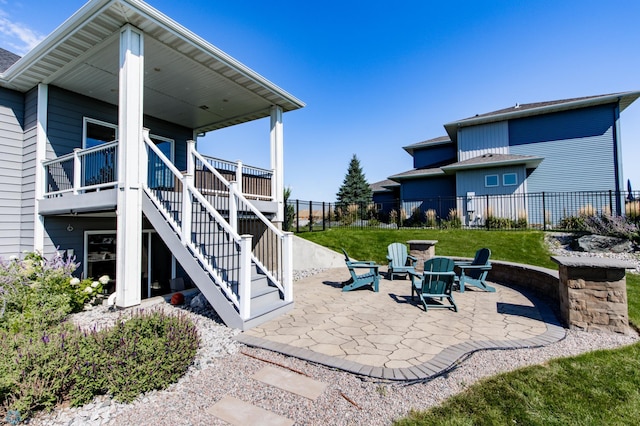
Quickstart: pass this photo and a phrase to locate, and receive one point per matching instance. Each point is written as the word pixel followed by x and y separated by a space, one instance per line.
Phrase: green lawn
pixel 596 388
pixel 515 246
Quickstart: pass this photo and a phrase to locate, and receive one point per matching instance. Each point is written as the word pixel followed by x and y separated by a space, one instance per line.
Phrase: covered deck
pixel 388 335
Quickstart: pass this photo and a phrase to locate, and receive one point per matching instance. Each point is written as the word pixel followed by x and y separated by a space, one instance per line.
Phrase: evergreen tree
pixel 355 188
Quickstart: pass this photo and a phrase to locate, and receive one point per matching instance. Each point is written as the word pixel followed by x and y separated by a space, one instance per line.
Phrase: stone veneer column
pixel 593 293
pixel 422 250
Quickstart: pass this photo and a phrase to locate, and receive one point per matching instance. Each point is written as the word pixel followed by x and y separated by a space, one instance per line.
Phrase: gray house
pixel 569 145
pixel 99 128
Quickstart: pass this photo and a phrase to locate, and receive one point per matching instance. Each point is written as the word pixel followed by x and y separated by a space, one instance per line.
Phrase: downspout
pixel 617 161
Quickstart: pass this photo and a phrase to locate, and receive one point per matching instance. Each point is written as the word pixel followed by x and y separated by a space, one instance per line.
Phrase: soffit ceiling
pixel 187 81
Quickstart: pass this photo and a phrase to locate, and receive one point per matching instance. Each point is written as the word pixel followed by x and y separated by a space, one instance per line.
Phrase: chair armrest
pixel 412 258
pixel 478 267
pixel 361 263
pixel 462 262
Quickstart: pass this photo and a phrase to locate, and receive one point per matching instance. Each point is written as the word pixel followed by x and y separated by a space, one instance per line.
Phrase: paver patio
pixel 389 335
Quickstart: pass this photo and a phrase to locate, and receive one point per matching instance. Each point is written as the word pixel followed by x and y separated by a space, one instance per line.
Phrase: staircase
pixel 246 278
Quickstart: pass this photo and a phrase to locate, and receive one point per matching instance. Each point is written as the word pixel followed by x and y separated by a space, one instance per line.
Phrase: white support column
pixel 277 161
pixel 41 153
pixel 129 213
pixel 244 285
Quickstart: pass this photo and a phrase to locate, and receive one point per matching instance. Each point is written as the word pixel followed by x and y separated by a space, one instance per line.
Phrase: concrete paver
pixel 386 333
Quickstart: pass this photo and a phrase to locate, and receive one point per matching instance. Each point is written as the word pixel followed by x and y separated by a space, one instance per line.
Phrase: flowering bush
pixel 37 291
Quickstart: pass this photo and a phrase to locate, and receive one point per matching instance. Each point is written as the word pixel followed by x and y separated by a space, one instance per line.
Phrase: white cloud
pixel 19 37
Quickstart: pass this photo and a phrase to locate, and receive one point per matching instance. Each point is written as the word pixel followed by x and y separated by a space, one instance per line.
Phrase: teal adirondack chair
pixel 371 277
pixel 436 282
pixel 474 273
pixel 400 262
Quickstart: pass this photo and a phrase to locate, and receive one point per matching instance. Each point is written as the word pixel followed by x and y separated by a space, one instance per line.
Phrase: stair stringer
pixel 192 267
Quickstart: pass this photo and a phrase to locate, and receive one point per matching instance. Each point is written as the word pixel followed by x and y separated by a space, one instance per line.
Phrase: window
pixel 509 179
pixel 491 180
pixel 97 132
pixel 159 175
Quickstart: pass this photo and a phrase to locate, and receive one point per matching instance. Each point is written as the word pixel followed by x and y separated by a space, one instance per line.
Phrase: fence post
pixel 310 217
pixel 544 213
pixel 486 213
pixel 298 216
pixel 323 219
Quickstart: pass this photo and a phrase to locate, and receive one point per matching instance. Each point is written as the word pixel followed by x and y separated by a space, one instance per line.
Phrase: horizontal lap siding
pixel 483 139
pixel 434 156
pixel 577 147
pixel 29 170
pixel 11 142
pixel 67 111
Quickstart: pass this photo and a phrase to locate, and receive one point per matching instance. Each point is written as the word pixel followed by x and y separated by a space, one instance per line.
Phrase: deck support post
pixel 277 162
pixel 130 128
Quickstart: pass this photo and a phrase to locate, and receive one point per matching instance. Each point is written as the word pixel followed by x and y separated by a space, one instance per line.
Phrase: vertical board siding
pixel 577 147
pixel 424 194
pixel 475 141
pixel 434 156
pixel 11 142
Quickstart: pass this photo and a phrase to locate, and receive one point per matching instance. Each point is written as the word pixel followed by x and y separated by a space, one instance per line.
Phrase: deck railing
pixel 96 168
pixel 83 170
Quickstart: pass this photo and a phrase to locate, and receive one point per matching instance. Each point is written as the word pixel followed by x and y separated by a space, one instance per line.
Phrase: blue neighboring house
pixel 568 145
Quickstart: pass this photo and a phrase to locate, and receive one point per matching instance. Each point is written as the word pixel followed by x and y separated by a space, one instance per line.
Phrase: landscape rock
pixel 602 244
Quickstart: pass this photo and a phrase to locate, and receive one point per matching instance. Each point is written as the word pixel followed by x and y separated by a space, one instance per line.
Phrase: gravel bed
pixel 223 367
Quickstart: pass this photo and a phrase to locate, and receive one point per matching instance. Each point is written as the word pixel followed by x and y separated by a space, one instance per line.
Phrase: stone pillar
pixel 422 250
pixel 593 293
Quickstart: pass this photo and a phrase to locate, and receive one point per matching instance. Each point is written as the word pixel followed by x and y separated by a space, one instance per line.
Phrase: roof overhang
pixel 529 162
pixel 188 81
pixel 417 174
pixel 624 99
pixel 427 144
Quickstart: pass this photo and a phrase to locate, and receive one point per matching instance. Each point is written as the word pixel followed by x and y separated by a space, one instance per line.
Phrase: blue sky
pixel 378 76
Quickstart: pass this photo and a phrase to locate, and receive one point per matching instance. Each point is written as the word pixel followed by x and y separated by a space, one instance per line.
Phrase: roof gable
pixel 7 59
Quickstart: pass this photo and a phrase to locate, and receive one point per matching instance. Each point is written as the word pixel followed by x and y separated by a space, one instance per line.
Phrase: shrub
pixel 393 216
pixel 149 351
pixel 522 221
pixel 632 210
pixel 431 218
pixel 572 223
pixel 453 220
pixel 493 222
pixel 611 226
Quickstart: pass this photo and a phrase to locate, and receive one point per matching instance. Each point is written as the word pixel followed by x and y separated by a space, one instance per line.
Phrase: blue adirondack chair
pixel 400 262
pixel 474 273
pixel 371 277
pixel 436 282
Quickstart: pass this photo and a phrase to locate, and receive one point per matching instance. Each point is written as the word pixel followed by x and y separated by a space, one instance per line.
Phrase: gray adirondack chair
pixel 400 262
pixel 436 282
pixel 370 277
pixel 474 273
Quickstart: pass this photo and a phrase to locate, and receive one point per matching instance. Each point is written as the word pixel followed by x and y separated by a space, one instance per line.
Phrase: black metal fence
pixel 544 210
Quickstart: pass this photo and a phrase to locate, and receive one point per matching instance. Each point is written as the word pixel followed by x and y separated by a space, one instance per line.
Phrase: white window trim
pixel 486 184
pixel 171 141
pixel 504 179
pixel 86 120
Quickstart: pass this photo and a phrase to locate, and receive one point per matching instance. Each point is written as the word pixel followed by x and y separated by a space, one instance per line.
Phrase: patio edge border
pixel 445 361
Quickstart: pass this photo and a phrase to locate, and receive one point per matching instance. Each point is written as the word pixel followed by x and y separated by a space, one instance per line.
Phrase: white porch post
pixel 41 153
pixel 129 213
pixel 277 161
pixel 187 205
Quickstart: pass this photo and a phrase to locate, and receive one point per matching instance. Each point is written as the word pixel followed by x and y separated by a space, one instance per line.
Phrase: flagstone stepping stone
pixel 291 382
pixel 240 413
